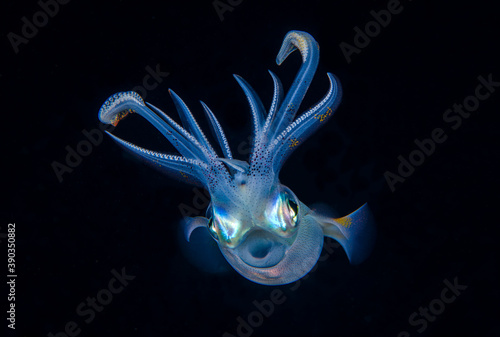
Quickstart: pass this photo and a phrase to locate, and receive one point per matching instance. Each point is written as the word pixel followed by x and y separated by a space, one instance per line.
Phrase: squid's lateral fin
pixel 199 248
pixel 238 165
pixel 355 232
pixel 190 224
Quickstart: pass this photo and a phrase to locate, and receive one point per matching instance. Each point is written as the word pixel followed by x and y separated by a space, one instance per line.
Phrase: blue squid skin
pixel 263 230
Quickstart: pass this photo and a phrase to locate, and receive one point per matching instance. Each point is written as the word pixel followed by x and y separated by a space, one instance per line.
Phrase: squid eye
pixel 211 229
pixel 211 224
pixel 282 214
pixel 294 210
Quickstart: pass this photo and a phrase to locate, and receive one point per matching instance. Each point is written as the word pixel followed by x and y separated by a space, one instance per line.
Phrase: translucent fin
pixel 355 232
pixel 202 251
pixel 190 224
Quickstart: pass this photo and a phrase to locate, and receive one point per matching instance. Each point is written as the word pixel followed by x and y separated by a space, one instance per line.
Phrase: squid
pixel 262 229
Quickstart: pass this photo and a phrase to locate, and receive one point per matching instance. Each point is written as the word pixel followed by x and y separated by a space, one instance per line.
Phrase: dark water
pixel 112 218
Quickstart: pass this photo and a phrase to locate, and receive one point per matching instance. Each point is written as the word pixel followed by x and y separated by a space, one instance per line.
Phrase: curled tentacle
pixel 199 163
pixel 121 104
pixel 309 50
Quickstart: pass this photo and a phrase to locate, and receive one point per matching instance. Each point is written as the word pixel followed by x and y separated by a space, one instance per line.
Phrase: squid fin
pixel 199 248
pixel 355 232
pixel 190 224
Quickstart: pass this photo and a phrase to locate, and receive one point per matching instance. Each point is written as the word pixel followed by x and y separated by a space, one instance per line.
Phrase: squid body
pixel 263 230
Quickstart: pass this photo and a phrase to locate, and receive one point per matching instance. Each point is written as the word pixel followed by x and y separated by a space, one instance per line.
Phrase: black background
pixel 112 212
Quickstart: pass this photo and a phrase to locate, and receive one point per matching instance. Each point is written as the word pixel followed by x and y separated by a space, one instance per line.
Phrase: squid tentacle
pixel 189 170
pixel 218 131
pixel 276 102
pixel 120 105
pixel 189 122
pixel 256 106
pixel 306 124
pixel 183 135
pixel 309 51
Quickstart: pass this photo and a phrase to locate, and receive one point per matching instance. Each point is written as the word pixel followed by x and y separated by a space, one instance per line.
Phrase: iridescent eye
pixel 294 210
pixel 211 229
pixel 211 225
pixel 282 214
